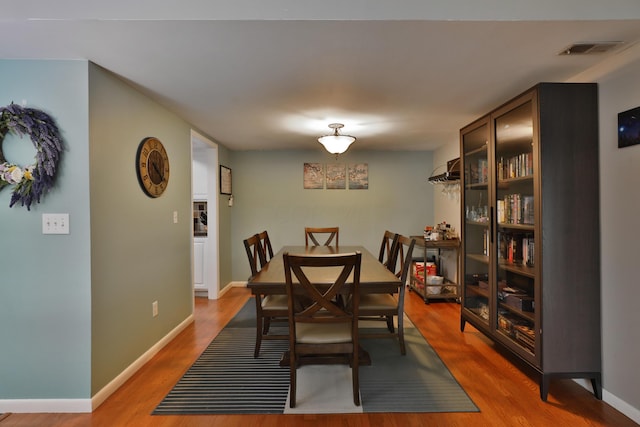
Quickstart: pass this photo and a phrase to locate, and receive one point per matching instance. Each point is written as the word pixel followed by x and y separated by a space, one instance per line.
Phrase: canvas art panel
pixel 313 176
pixel 359 176
pixel 336 176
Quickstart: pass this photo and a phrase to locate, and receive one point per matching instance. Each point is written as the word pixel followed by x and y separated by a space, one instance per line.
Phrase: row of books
pixel 478 172
pixel 516 166
pixel 515 209
pixel 517 248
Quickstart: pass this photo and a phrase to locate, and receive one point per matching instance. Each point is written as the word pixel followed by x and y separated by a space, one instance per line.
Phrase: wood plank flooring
pixel 505 391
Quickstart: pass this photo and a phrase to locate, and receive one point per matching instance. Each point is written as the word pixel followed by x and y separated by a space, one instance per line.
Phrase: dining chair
pixel 255 254
pixel 313 233
pixel 265 242
pixel 388 250
pixel 268 307
pixel 322 331
pixel 386 306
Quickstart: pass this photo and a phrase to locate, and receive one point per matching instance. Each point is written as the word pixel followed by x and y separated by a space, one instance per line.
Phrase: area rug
pixel 226 379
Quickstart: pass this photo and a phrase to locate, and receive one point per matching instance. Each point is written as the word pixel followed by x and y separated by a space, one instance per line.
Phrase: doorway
pixel 204 185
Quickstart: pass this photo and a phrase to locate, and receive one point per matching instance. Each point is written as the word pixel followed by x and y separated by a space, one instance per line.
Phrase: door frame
pixel 212 245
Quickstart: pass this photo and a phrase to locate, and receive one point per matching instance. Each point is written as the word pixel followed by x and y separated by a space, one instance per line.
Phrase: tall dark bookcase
pixel 530 239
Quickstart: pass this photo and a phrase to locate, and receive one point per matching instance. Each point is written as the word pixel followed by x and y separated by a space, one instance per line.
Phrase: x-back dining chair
pixel 388 250
pixel 268 307
pixel 265 242
pixel 255 254
pixel 328 234
pixel 386 306
pixel 319 327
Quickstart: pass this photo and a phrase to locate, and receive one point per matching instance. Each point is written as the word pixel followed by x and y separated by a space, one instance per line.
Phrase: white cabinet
pixel 198 264
pixel 199 178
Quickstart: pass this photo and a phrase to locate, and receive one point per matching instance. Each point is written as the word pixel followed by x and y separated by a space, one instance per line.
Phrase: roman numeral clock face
pixel 152 166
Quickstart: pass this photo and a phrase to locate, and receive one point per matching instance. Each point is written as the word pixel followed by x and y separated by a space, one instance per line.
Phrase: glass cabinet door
pixel 477 238
pixel 515 219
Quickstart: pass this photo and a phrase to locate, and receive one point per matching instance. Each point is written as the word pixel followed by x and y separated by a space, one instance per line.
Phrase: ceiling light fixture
pixel 336 143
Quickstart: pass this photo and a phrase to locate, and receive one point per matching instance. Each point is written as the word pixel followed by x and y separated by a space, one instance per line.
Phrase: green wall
pixel 75 310
pixel 225 217
pixel 138 254
pixel 269 194
pixel 45 298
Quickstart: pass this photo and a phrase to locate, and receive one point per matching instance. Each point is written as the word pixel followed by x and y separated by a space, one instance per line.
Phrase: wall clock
pixel 152 166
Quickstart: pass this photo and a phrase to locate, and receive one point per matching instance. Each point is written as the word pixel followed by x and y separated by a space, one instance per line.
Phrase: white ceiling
pixel 254 76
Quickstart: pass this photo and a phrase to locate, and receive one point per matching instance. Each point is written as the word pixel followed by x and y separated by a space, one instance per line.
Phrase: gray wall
pixel 269 195
pixel 620 234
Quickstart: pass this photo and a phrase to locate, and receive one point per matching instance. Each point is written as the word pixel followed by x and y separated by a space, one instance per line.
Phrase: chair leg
pixel 355 376
pixel 390 324
pixel 403 349
pixel 266 325
pixel 256 351
pixel 292 380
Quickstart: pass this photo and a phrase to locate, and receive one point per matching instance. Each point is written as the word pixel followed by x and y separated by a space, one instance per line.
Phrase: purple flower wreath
pixel 33 181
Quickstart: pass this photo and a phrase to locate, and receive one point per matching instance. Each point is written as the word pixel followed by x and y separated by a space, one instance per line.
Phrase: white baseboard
pixel 621 406
pixel 88 405
pixel 231 285
pixel 613 400
pixel 34 406
pixel 110 388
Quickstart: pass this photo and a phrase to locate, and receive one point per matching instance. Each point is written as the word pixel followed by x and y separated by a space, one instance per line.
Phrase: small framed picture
pixel 629 127
pixel 225 180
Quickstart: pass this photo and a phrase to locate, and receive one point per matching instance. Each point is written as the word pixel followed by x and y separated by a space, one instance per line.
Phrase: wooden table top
pixel 374 277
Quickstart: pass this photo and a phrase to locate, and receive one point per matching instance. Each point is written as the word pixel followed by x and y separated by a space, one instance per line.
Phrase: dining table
pixel 374 276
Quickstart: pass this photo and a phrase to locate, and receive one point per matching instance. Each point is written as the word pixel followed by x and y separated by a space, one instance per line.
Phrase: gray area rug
pixel 226 379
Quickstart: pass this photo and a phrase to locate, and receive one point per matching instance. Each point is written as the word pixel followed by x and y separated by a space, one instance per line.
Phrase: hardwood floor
pixel 505 391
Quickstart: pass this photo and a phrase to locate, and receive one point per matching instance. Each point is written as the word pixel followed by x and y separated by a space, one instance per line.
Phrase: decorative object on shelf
pixel 629 127
pixel 450 180
pixel 152 166
pixel 225 180
pixel 336 143
pixel 442 231
pixel 31 182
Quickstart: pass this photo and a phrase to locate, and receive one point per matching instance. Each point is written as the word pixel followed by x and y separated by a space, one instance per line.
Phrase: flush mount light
pixel 336 143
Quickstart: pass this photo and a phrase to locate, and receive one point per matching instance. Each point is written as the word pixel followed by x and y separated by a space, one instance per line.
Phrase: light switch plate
pixel 55 223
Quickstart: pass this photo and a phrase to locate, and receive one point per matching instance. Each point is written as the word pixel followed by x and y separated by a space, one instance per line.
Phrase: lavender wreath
pixel 33 181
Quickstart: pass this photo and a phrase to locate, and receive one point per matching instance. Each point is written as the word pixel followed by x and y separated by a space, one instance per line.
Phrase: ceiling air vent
pixel 590 48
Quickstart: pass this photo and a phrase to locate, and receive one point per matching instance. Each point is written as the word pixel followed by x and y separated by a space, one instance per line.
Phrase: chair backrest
pixel 265 242
pixel 314 301
pixel 388 250
pixel 404 257
pixel 311 233
pixel 255 254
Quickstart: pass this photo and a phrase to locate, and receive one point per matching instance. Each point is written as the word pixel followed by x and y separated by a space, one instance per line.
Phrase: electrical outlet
pixel 154 308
